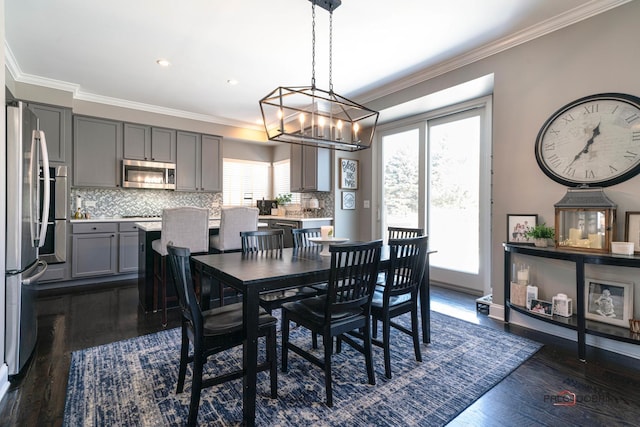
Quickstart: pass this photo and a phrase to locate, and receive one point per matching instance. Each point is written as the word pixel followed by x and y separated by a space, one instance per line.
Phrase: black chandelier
pixel 306 115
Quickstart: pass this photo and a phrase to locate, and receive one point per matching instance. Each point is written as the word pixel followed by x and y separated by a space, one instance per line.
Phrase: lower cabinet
pixel 102 249
pixel 94 249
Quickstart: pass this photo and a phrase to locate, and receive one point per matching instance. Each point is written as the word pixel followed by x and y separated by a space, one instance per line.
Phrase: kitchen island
pixel 149 231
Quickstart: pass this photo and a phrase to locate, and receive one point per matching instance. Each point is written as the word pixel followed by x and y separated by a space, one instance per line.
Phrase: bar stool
pixel 186 227
pixel 232 222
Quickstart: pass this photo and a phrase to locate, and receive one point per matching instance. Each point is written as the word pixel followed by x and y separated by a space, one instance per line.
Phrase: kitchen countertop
pixel 157 219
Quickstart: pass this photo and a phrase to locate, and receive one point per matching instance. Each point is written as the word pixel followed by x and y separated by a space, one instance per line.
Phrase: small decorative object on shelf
pixel 541 235
pixel 562 306
pixel 634 325
pixel 518 294
pixel 608 302
pixel 622 248
pixel 532 294
pixel 541 307
pixel 585 220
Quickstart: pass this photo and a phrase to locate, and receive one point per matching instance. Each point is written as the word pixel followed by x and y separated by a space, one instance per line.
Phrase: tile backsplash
pixel 112 203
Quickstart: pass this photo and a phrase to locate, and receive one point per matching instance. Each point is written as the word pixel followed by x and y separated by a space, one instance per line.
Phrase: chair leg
pixel 327 368
pixel 184 359
pixel 196 387
pixel 163 272
pixel 386 337
pixel 314 340
pixel 285 341
pixel 368 353
pixel 415 333
pixel 272 359
pixel 374 328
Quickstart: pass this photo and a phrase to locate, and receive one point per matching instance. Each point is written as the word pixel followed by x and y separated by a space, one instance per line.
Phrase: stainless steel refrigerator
pixel 26 152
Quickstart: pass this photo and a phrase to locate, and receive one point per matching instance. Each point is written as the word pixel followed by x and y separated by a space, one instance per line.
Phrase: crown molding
pixel 570 17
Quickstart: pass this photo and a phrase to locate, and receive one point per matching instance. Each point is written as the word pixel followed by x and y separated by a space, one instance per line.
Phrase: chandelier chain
pixel 313 44
pixel 331 51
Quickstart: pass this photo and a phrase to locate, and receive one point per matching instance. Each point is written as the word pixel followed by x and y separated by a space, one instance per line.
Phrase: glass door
pixel 436 175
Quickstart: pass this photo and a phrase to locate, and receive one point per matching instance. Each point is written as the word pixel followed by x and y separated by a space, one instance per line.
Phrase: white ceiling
pixel 106 51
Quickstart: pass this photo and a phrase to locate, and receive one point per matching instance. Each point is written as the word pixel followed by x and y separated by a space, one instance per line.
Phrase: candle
pixel 339 127
pixel 281 120
pixel 326 232
pixel 523 276
pixel 575 234
pixel 301 118
pixel 355 132
pixel 321 127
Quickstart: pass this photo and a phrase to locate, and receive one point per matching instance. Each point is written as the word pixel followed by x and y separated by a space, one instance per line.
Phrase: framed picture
pixel 544 308
pixel 608 302
pixel 632 229
pixel 349 174
pixel 348 200
pixel 518 225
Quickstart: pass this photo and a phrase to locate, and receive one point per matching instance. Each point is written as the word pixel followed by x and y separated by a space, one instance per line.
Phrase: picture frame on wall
pixel 348 200
pixel 348 174
pixel 518 225
pixel 632 230
pixel 608 302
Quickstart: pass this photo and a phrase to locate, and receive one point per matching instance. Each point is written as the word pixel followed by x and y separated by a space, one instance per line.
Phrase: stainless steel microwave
pixel 155 175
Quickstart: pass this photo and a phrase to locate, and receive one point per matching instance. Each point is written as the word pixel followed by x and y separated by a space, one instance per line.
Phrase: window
pixel 245 181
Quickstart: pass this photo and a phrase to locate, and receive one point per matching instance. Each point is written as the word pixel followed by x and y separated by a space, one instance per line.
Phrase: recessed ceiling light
pixel 232 82
pixel 163 62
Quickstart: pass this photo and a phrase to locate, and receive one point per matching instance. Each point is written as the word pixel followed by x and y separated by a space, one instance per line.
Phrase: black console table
pixel 578 321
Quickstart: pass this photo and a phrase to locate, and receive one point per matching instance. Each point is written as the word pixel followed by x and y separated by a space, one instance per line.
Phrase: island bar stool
pixel 232 222
pixel 185 227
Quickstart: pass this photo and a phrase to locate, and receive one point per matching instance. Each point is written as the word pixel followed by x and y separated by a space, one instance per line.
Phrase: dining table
pixel 258 272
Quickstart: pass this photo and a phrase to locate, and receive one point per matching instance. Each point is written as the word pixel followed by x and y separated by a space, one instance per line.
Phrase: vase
pixel 541 243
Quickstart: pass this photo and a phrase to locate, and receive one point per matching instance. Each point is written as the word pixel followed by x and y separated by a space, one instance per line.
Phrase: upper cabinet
pixel 56 124
pixel 97 152
pixel 149 143
pixel 199 162
pixel 310 169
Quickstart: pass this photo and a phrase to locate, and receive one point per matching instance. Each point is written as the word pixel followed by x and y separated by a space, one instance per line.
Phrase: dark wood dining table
pixel 254 273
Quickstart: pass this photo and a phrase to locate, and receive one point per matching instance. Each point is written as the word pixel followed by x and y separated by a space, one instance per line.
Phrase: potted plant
pixel 541 234
pixel 283 199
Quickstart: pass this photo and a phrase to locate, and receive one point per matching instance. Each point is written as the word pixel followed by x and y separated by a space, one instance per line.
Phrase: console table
pixel 577 322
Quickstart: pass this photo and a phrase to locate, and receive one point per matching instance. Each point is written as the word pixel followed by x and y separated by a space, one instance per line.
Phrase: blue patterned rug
pixel 132 382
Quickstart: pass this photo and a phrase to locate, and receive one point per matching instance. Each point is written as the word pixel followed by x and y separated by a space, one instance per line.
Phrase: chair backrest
pixel 232 222
pixel 404 233
pixel 408 261
pixel 186 227
pixel 353 275
pixel 301 237
pixel 263 240
pixel 180 269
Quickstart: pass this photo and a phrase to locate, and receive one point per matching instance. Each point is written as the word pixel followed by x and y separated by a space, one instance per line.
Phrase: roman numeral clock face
pixel 592 141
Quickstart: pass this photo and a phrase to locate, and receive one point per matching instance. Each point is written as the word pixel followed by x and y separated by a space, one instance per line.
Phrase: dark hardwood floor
pixel 607 388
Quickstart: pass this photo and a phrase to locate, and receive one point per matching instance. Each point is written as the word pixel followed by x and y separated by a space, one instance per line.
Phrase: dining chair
pixel 272 242
pixel 185 226
pixel 211 332
pixel 233 220
pixel 345 307
pixel 301 236
pixel 408 260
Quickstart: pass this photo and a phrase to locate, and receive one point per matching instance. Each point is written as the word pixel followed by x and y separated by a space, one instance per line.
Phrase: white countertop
pixel 157 219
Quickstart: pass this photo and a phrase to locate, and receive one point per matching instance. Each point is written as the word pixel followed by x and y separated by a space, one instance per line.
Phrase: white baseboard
pixel 496 312
pixel 4 380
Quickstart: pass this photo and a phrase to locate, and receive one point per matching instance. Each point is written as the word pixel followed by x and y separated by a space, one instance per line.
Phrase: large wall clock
pixel 593 141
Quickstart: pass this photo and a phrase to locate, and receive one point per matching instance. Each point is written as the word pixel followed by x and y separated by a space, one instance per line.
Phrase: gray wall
pixel 532 81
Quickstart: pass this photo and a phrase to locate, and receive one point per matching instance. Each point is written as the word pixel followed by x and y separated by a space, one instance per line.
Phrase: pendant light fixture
pixel 307 115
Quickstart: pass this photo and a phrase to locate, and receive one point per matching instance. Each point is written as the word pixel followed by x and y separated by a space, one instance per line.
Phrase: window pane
pixel 401 175
pixel 244 182
pixel 454 213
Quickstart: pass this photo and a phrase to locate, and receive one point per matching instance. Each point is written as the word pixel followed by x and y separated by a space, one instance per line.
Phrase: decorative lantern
pixel 585 220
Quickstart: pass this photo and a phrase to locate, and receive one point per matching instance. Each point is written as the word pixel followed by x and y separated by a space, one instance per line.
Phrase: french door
pixel 435 174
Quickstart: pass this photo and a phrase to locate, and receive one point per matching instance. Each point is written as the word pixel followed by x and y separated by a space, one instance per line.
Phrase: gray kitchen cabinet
pixel 149 143
pixel 56 124
pixel 97 152
pixel 94 249
pixel 127 247
pixel 310 169
pixel 198 162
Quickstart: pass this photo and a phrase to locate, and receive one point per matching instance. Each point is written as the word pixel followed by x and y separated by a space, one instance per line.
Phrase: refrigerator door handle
pixel 34 279
pixel 42 233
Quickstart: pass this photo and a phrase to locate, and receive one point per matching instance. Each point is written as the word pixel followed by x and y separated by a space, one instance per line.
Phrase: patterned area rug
pixel 132 382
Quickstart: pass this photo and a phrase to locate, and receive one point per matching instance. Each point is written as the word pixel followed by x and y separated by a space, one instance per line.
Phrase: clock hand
pixel 585 150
